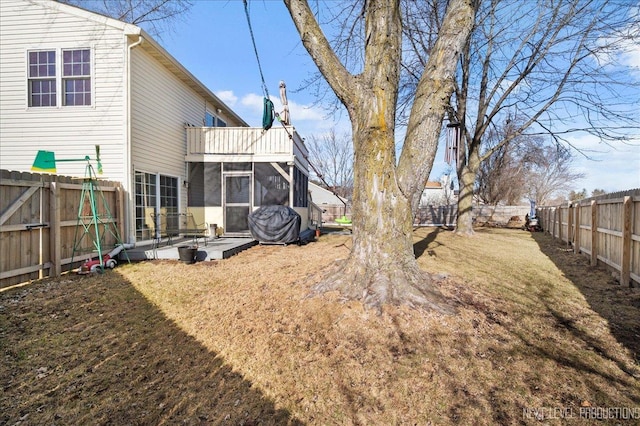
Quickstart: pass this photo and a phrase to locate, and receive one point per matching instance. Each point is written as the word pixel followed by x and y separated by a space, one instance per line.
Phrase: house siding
pixel 161 104
pixel 71 132
pixel 142 98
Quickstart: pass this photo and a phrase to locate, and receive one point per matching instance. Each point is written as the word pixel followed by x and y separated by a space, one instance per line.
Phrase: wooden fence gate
pixel 38 224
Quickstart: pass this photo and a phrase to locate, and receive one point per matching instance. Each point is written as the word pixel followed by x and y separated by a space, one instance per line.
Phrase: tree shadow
pixel 559 349
pixel 618 305
pixel 421 246
pixel 93 350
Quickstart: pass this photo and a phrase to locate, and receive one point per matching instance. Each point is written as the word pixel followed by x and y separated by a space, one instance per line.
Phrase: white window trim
pixel 216 118
pixel 157 175
pixel 59 77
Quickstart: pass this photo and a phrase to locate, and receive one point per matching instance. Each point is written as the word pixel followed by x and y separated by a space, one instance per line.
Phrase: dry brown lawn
pixel 539 338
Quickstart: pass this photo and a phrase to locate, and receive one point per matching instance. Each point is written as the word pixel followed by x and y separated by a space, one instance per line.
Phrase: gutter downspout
pixel 131 237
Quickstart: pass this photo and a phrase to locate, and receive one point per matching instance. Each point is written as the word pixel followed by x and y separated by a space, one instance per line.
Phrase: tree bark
pixel 466 177
pixel 382 267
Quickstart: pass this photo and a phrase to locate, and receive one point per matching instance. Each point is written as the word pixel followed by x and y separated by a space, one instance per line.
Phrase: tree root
pixel 408 286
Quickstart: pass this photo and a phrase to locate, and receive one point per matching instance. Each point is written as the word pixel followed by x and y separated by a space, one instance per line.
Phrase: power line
pixel 255 48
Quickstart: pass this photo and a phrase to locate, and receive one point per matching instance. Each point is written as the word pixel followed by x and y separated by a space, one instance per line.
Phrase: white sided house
pixel 71 79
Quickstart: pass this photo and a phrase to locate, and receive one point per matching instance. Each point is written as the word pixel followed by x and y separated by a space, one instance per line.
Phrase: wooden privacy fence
pixel 606 228
pixel 39 218
pixel 435 215
pixel 483 215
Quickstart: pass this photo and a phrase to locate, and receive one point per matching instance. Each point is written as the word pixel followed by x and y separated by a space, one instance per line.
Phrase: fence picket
pixel 38 219
pixel 613 237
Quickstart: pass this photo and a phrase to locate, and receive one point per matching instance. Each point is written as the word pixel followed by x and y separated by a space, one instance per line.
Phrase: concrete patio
pixel 211 249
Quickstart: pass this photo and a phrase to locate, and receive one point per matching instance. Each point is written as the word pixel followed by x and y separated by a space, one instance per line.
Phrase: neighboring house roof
pixel 433 185
pixel 320 195
pixel 152 47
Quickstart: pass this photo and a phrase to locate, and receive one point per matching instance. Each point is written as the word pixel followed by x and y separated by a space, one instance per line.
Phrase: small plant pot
pixel 187 254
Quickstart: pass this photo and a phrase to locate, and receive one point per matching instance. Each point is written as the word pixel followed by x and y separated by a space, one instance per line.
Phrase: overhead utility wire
pixel 266 92
pixel 255 48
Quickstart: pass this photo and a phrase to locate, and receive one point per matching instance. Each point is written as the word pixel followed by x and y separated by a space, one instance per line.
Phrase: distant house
pixel 322 196
pixel 72 79
pixel 332 205
pixel 438 193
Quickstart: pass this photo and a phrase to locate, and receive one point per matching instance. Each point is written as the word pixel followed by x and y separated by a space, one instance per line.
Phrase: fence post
pixel 576 232
pixel 625 273
pixel 54 230
pixel 594 233
pixel 560 223
pixel 569 223
pixel 547 222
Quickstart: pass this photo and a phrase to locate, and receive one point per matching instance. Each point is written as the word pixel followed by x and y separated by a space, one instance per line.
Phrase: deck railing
pixel 245 140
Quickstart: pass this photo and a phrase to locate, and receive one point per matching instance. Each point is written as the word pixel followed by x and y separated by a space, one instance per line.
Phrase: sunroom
pixel 231 171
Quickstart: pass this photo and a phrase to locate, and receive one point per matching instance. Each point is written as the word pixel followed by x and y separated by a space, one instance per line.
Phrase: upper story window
pixel 76 77
pixel 47 80
pixel 211 120
pixel 42 78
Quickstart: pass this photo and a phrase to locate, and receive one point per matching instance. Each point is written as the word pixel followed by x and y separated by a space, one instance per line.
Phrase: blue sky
pixel 213 42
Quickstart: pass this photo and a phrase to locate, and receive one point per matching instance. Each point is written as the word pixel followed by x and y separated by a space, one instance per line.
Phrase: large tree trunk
pixel 382 267
pixel 464 222
pixel 467 172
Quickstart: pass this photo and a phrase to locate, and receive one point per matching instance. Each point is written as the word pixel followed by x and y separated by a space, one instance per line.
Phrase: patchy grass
pixel 538 333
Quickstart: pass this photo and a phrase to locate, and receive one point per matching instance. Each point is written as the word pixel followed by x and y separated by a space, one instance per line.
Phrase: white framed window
pixel 59 77
pixel 211 120
pixel 154 193
pixel 42 78
pixel 76 77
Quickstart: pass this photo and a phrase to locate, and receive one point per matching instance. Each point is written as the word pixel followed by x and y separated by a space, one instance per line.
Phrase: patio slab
pixel 214 249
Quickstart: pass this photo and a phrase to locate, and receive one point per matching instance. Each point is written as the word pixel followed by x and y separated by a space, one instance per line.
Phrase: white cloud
pixel 614 167
pixel 307 119
pixel 228 97
pixel 631 57
pixel 620 51
pixel 252 102
pixel 299 112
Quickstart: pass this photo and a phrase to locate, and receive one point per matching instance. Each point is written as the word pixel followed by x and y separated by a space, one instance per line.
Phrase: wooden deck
pixel 246 144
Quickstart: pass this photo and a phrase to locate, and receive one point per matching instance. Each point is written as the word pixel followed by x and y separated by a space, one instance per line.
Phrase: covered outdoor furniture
pixel 275 225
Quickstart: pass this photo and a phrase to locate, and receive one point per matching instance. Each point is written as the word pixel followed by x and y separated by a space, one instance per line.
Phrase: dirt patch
pixel 239 342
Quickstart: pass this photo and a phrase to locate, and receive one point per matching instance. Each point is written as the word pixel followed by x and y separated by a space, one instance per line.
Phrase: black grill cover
pixel 275 224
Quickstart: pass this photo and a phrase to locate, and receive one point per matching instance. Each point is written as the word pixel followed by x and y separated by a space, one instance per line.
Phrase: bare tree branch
pixel 547 64
pixel 155 16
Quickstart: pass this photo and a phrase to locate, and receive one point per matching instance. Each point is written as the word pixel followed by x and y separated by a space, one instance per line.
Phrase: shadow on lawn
pixel 92 350
pixel 421 246
pixel 618 305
